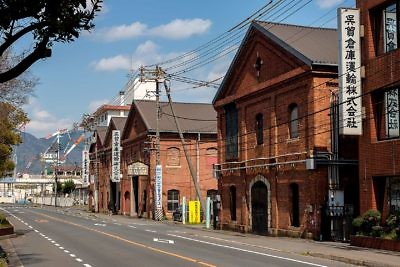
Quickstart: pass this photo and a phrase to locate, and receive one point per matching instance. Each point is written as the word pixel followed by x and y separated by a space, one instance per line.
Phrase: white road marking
pixel 49 239
pixel 139 223
pixel 248 251
pixel 131 226
pixel 242 243
pixel 117 224
pixel 167 241
pixel 151 231
pixel 100 224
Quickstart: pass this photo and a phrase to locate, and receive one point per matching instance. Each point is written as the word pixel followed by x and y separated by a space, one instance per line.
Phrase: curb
pixel 351 261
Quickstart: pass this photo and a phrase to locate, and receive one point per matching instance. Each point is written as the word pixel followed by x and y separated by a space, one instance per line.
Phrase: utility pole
pixel 158 172
pixel 156 75
pixel 192 172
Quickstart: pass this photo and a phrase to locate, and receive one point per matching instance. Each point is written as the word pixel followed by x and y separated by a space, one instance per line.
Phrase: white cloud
pixel 119 62
pixel 43 122
pixel 147 47
pixel 122 32
pixel 176 29
pixel 146 53
pixel 180 29
pixel 95 104
pixel 328 3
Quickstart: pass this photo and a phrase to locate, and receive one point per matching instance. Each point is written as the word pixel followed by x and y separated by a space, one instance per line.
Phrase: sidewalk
pixel 337 251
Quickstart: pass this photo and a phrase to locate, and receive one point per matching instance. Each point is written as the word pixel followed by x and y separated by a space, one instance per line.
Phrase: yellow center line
pixel 128 241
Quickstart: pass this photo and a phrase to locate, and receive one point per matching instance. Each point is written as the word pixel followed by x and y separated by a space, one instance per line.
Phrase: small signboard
pixel 194 212
pixel 137 169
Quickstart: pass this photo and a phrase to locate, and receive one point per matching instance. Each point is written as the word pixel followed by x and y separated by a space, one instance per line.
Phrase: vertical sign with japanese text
pixel 390 32
pixel 392 113
pixel 85 167
pixel 349 72
pixel 158 187
pixel 116 156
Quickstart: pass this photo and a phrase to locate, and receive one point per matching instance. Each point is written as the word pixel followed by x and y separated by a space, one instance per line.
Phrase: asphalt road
pixel 54 237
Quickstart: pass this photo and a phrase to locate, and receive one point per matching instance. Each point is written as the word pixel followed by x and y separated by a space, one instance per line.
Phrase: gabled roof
pixel 313 46
pixel 192 117
pixel 119 122
pixel 101 133
pixel 116 123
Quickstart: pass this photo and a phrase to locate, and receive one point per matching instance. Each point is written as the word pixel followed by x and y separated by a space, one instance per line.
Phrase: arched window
pixel 259 129
pixel 294 190
pixel 232 194
pixel 173 199
pixel 173 156
pixel 212 193
pixel 294 122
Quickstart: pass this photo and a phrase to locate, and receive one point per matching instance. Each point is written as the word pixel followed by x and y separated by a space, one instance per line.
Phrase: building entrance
pixel 259 208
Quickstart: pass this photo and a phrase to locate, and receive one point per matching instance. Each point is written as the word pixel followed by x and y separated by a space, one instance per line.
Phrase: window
pixel 394 194
pixel 212 194
pixel 386 28
pixel 232 194
pixel 390 30
pixel 387 115
pixel 293 123
pixel 232 129
pixel 173 156
pixel 173 199
pixel 259 129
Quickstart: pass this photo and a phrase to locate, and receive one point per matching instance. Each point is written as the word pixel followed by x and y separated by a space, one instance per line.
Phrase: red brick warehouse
pixel 198 124
pixel 276 155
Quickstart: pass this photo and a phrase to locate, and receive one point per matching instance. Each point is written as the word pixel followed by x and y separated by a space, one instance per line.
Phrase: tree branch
pixel 41 51
pixel 13 38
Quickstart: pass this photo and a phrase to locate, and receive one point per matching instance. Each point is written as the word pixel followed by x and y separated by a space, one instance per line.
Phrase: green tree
pixel 10 118
pixel 68 187
pixel 44 22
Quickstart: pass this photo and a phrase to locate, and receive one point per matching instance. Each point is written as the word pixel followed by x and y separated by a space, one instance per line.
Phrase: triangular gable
pixel 134 124
pixel 263 56
pixel 116 123
pixel 99 134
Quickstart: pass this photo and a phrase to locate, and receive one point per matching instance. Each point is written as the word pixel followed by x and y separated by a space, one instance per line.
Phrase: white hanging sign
pixel 349 72
pixel 116 156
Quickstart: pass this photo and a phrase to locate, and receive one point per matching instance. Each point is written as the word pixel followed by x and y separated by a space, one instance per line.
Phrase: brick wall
pixel 282 82
pixel 377 159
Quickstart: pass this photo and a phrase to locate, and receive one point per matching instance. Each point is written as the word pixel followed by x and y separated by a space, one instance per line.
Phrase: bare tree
pixel 17 90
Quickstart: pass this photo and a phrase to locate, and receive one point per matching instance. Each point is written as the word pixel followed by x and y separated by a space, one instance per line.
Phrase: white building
pixel 119 107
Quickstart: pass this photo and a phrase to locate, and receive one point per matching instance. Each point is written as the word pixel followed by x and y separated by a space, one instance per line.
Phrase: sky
pixel 82 75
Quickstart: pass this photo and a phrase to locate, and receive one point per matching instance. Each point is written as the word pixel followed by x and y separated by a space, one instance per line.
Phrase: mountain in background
pixel 29 151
